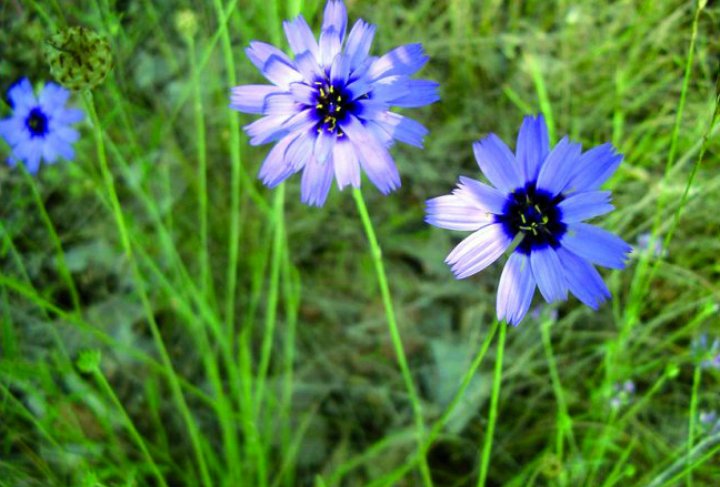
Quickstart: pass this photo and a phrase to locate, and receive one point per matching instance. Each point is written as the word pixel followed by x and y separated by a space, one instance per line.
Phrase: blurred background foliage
pixel 601 71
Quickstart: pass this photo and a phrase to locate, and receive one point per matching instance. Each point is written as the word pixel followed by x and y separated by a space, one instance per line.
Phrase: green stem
pixel 108 390
pixel 563 417
pixel 203 255
pixel 641 281
pixel 60 254
pixel 376 253
pixel 272 301
pixel 693 414
pixel 270 316
pixel 157 337
pixel 497 380
pixel 238 175
pixel 394 477
pixel 291 292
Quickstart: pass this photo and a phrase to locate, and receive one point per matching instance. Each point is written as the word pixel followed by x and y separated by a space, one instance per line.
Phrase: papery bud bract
pixel 79 58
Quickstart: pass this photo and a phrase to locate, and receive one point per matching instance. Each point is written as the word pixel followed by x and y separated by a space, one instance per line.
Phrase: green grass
pixel 248 340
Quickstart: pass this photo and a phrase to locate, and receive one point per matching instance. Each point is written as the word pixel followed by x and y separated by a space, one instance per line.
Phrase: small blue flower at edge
pixel 40 127
pixel 540 199
pixel 328 109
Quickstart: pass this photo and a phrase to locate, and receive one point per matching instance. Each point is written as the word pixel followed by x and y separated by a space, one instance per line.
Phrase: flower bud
pixel 88 361
pixel 79 58
pixel 186 23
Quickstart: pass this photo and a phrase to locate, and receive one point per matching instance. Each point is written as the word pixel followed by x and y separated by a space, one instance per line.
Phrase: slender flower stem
pixel 394 331
pixel 238 174
pixel 395 476
pixel 127 247
pixel 273 296
pixel 136 436
pixel 291 294
pixel 564 428
pixel 497 379
pixel 203 255
pixel 642 278
pixel 60 254
pixel 693 414
pixel 270 319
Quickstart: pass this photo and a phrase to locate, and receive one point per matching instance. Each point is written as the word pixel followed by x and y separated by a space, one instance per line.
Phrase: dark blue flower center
pixel 534 213
pixel 333 104
pixel 37 122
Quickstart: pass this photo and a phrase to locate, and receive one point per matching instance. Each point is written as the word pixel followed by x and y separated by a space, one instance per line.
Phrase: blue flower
pixel 539 200
pixel 40 127
pixel 328 109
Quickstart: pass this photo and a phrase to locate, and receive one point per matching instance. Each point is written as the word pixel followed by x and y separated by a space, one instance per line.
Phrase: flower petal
pixel 402 128
pixel 277 168
pixel 21 96
pixel 315 183
pixel 347 167
pixel 324 144
pixel 301 149
pixel 68 116
pixel 403 60
pixel 67 134
pixel 30 153
pixel 583 279
pixel 555 172
pixel 498 163
pixel 251 98
pixel 390 87
pixel 307 64
pixel 340 70
pixel 478 251
pixel 266 129
pixel 335 18
pixel 300 36
pixel 53 97
pixel 301 120
pixel 455 213
pixel 304 94
pixel 359 42
pixel 281 73
pixel 483 196
pixel 516 289
pixel 533 146
pixel 13 130
pixel 594 168
pixel 548 273
pixel 260 52
pixel 374 157
pixel 581 206
pixel 596 245
pixel 330 45
pixel 281 104
pixel 420 92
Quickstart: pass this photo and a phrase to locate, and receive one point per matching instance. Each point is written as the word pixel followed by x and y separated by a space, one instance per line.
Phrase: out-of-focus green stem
pixel 376 253
pixel 127 247
pixel 497 380
pixel 203 255
pixel 59 253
